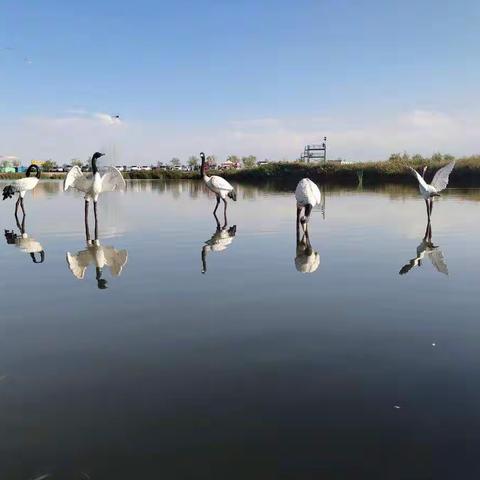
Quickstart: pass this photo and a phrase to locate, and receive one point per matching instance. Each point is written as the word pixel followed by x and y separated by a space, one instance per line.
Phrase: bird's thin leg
pixel 17 203
pixel 427 229
pixel 87 231
pixel 431 206
pixel 21 204
pixel 216 206
pixel 204 259
pixel 299 211
pixel 308 211
pixel 428 210
pixel 18 222
pixel 216 220
pixel 225 211
pixel 96 219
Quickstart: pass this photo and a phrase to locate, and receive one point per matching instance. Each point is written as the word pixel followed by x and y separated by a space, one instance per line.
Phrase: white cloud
pixel 78 133
pixel 426 119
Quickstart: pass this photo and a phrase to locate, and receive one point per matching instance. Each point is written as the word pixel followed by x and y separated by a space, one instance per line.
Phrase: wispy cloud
pixel 78 133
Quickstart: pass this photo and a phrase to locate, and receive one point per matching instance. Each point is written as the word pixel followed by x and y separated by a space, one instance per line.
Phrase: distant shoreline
pixel 465 174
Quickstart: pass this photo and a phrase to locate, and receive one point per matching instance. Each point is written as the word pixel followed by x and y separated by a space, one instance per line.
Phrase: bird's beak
pixel 102 154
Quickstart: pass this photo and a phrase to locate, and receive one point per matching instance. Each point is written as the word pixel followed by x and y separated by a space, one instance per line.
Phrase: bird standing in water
pixel 439 183
pixel 22 186
pixel 92 185
pixel 308 196
pixel 219 186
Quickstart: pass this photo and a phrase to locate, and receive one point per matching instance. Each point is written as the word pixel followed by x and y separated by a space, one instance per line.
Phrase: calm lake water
pixel 321 363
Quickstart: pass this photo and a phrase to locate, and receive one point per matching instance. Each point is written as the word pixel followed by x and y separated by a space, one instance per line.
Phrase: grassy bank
pixel 466 172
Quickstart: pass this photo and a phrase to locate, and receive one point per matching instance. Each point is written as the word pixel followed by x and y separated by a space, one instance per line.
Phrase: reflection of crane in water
pixel 322 201
pixel 99 255
pixel 307 260
pixel 219 241
pixel 25 243
pixel 427 248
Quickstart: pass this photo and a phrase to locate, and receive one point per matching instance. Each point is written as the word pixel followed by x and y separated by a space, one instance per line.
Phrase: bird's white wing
pixel 115 259
pixel 77 179
pixel 79 262
pixel 438 261
pixel 440 180
pixel 314 192
pixel 220 183
pixel 29 245
pixel 307 193
pixel 112 180
pixel 23 184
pixel 420 179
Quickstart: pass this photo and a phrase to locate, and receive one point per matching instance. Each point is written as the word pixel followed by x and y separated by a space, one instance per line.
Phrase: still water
pixel 198 352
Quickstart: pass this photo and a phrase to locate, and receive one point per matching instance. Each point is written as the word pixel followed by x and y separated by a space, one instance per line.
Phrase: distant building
pixel 7 161
pixel 228 164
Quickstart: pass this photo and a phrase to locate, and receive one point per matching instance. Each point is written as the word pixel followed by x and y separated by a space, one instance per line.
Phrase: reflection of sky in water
pixel 171 372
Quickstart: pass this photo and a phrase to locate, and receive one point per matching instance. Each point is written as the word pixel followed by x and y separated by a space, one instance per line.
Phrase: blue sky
pixel 260 77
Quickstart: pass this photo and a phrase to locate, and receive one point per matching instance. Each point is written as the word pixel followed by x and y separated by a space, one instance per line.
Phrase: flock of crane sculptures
pixel 307 195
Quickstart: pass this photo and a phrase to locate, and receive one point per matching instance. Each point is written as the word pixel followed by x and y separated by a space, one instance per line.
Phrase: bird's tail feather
pixel 8 192
pixel 233 195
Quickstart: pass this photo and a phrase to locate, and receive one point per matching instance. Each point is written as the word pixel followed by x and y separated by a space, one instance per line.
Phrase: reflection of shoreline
pixel 250 191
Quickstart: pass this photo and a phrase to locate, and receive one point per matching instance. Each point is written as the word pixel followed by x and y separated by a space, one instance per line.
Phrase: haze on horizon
pixel 261 78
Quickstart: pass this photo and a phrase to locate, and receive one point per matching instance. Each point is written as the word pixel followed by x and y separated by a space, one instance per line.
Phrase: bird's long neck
pixel 202 170
pixel 29 171
pixel 94 165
